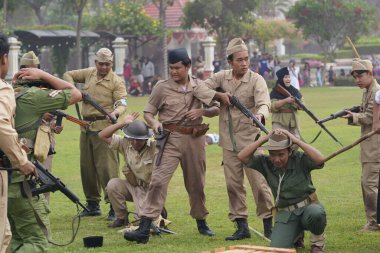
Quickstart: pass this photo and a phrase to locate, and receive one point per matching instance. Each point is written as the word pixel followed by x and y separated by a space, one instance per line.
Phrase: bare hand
pixel 57 129
pixel 290 100
pixel 194 114
pixel 29 73
pixel 156 126
pixel 287 133
pixel 259 118
pixel 27 169
pixel 224 97
pixel 48 116
pixel 348 115
pixel 131 117
pixel 112 114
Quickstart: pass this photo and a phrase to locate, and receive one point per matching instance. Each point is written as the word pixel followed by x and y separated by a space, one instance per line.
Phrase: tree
pixel 273 8
pixel 328 22
pixel 265 30
pixel 225 18
pixel 38 8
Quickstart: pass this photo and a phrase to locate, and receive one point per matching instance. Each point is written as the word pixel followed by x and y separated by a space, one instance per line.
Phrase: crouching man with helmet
pixel 138 151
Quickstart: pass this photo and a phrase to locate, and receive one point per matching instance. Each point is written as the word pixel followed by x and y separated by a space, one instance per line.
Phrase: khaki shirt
pixel 252 92
pixel 140 163
pixel 370 151
pixel 105 91
pixel 171 102
pixel 287 119
pixel 8 136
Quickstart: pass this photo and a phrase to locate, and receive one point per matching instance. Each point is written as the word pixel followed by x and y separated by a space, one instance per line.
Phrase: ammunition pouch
pixel 42 143
pixel 199 130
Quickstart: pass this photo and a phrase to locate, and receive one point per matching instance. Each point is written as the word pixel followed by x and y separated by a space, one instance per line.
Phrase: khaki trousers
pixel 119 191
pixel 234 175
pixel 98 164
pixel 5 229
pixel 370 183
pixel 189 152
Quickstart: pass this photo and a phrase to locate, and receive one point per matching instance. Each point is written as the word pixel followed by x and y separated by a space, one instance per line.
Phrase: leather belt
pixel 286 110
pixel 179 129
pixel 291 208
pixel 94 118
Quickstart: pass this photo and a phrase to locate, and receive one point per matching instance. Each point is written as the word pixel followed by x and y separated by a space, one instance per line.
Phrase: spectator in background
pixel 127 72
pixel 147 71
pixel 331 76
pixel 263 64
pixel 254 62
pixel 277 64
pixel 216 63
pixel 342 73
pixel 134 88
pixel 318 76
pixel 294 74
pixel 306 74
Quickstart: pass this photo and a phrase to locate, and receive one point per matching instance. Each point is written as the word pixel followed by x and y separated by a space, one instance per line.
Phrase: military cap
pixel 177 55
pixel 278 141
pixel 282 72
pixel 236 45
pixel 137 130
pixel 358 64
pixel 29 59
pixel 104 55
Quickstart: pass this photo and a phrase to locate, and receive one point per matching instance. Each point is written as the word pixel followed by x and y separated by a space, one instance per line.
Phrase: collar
pixel 107 77
pixel 244 79
pixel 190 86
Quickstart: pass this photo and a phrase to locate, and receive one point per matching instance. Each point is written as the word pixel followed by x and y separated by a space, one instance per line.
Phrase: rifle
pixel 60 115
pixel 88 99
pixel 236 102
pixel 286 93
pixel 161 139
pixel 340 113
pixel 46 182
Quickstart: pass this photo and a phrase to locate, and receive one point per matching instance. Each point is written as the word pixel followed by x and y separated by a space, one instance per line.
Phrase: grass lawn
pixel 338 188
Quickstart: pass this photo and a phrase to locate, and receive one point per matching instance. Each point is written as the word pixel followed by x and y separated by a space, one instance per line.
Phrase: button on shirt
pixel 140 163
pixel 296 184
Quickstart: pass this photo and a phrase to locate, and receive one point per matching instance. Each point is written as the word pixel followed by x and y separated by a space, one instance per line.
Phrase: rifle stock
pixel 286 93
pixel 60 115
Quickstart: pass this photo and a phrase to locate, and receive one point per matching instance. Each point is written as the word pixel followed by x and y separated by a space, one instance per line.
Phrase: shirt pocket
pixel 173 106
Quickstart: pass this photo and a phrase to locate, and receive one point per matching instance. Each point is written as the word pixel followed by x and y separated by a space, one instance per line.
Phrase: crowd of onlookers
pixel 140 76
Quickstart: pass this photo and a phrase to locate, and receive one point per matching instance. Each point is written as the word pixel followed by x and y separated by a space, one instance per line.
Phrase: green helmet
pixel 137 130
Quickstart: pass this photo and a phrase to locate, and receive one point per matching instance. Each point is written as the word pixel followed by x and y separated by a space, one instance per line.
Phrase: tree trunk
pixel 78 51
pixel 4 23
pixel 223 49
pixel 163 41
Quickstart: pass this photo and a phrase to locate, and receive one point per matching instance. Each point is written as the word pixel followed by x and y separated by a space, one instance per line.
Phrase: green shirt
pixel 296 184
pixel 30 107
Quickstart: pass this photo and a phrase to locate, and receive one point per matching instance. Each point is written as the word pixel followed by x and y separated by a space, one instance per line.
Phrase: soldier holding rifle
pixel 370 152
pixel 98 163
pixel 236 131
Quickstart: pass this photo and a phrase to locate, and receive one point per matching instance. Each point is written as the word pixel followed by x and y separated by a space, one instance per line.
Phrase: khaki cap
pixel 278 142
pixel 104 55
pixel 358 64
pixel 236 45
pixel 29 59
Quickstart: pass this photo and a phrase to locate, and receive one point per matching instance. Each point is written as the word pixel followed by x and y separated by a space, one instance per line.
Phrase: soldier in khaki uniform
pixel 138 152
pixel 98 163
pixel 236 131
pixel 178 103
pixel 370 152
pixel 9 144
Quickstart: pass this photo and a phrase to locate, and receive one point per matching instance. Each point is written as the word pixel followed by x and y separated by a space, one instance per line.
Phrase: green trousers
pixel 98 164
pixel 288 225
pixel 27 236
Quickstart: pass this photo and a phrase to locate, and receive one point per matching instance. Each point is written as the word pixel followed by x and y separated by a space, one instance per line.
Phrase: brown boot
pixel 316 249
pixel 117 223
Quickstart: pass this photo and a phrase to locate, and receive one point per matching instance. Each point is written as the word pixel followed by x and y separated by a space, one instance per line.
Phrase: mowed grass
pixel 338 188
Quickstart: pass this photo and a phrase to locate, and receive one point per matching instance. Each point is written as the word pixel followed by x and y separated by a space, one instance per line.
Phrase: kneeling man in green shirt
pixel 288 175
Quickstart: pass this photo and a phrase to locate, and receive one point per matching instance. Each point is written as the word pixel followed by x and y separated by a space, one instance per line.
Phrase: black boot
pixel 111 214
pixel 93 209
pixel 242 231
pixel 140 235
pixel 267 227
pixel 203 228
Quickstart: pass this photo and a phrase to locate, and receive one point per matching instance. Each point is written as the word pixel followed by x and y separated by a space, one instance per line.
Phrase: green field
pixel 338 187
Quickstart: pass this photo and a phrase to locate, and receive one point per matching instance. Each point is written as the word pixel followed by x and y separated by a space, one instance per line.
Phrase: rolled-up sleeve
pixel 262 99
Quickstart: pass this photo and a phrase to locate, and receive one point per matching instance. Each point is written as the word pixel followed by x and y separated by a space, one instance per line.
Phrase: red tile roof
pixel 174 13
